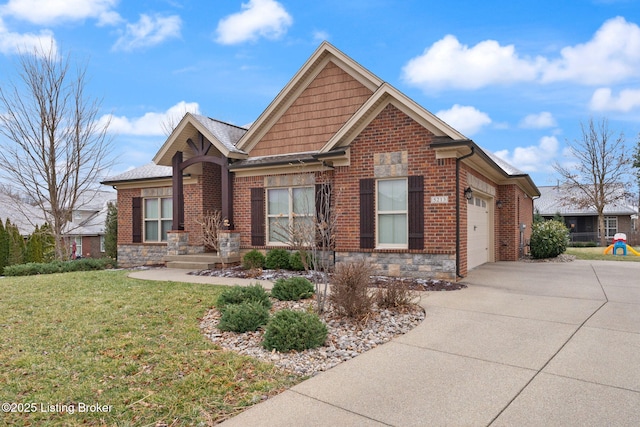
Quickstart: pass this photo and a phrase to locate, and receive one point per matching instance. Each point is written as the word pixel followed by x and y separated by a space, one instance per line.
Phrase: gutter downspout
pixel 458 159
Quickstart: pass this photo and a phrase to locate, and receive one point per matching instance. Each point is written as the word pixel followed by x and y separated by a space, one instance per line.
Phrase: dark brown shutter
pixel 416 212
pixel 136 219
pixel 367 213
pixel 257 217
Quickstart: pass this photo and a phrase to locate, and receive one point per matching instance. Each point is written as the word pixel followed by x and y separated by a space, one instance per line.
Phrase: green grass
pixel 598 254
pixel 102 338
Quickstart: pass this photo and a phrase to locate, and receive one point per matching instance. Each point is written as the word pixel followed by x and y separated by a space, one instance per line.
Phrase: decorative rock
pixel 347 338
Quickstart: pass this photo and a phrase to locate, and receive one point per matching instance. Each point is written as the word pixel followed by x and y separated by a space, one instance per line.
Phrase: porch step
pixel 198 261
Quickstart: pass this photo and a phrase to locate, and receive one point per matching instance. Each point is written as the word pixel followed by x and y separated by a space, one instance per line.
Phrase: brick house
pixel 409 192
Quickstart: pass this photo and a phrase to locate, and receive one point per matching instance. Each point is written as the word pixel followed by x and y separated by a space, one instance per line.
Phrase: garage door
pixel 477 232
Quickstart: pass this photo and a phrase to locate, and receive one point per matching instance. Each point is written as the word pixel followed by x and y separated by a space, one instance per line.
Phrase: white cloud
pixel 259 18
pixel 603 100
pixel 13 43
pixel 612 55
pixel 149 31
pixel 534 158
pixel 150 124
pixel 539 121
pixel 56 11
pixel 465 119
pixel 448 63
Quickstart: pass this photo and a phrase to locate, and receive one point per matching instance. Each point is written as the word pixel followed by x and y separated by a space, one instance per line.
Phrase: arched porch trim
pixel 201 156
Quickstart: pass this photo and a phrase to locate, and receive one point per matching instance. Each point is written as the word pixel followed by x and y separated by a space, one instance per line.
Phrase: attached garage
pixel 479 231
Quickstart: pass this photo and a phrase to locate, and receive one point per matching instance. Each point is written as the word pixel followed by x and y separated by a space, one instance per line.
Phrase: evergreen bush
pixel 294 330
pixel 277 259
pixel 548 239
pixel 238 294
pixel 84 264
pixel 253 259
pixel 295 261
pixel 244 317
pixel 292 289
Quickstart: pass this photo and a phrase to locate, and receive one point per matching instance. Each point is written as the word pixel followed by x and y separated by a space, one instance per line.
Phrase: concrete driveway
pixel 527 344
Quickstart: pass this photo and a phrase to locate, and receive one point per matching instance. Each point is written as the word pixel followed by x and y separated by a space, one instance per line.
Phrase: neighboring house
pixel 619 217
pixel 410 193
pixel 87 227
pixel 19 213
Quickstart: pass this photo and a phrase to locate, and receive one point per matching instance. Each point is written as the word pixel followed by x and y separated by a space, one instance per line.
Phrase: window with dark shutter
pixel 257 217
pixel 416 212
pixel 136 219
pixel 367 213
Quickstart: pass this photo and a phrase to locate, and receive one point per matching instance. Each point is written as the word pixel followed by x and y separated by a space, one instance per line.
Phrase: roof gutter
pixel 458 160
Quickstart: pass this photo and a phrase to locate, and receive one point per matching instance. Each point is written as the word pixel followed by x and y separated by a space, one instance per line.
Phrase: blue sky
pixel 517 77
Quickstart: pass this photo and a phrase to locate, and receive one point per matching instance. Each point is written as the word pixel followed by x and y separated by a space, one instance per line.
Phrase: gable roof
pixel 325 53
pixel 383 96
pixel 223 136
pixel 557 200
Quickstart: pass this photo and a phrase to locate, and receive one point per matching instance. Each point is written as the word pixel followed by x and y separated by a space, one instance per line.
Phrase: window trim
pixel 158 220
pixel 404 212
pixel 607 227
pixel 291 215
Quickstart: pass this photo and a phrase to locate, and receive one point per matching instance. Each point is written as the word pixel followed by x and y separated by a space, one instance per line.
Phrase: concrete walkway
pixel 527 344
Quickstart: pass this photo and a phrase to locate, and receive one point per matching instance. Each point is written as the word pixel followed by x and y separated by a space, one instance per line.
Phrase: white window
pixel 102 243
pixel 391 213
pixel 158 213
pixel 610 226
pixel 290 213
pixel 78 246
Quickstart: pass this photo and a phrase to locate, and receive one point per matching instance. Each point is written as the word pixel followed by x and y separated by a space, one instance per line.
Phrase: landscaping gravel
pixel 347 338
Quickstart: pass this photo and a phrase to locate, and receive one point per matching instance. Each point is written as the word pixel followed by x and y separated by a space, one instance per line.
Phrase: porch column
pixel 227 193
pixel 178 194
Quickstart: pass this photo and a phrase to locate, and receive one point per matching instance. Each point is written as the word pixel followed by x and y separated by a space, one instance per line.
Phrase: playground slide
pixel 629 249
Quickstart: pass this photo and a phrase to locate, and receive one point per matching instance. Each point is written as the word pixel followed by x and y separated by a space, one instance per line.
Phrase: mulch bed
pixel 376 281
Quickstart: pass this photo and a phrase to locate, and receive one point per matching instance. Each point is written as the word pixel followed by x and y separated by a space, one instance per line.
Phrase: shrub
pixel 243 317
pixel 396 294
pixel 295 261
pixel 294 330
pixel 548 239
pixel 253 260
pixel 238 294
pixel 292 289
pixel 349 289
pixel 277 259
pixel 84 264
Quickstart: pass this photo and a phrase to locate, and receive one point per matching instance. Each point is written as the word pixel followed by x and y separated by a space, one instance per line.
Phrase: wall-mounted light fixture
pixel 499 204
pixel 468 193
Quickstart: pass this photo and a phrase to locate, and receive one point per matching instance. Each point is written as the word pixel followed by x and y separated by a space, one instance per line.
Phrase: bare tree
pixel 312 232
pixel 54 149
pixel 601 173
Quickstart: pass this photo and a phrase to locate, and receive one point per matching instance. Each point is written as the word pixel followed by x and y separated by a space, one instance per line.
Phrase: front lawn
pixel 598 254
pixel 127 352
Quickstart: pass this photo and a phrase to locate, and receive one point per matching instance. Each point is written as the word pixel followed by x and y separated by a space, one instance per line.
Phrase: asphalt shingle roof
pixel 556 199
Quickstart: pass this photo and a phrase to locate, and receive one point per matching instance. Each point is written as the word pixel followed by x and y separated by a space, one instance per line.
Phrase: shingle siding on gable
pixel 322 108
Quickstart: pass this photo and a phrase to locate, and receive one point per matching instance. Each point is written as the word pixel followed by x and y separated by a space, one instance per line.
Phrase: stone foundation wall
pixel 434 266
pixel 137 255
pixel 229 244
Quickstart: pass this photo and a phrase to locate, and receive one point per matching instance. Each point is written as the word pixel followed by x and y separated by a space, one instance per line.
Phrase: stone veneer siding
pixel 403 264
pixel 138 254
